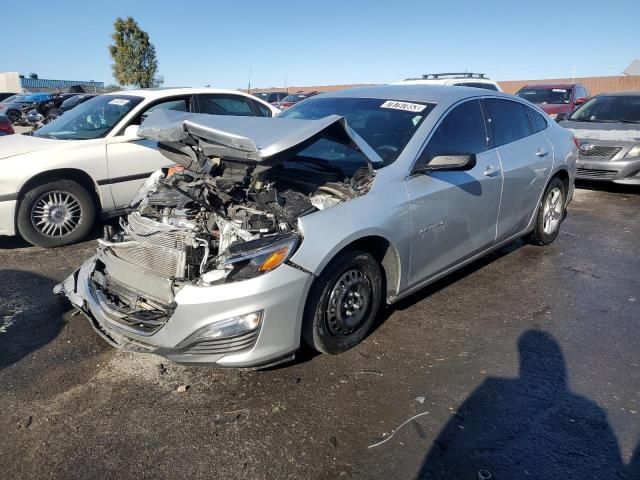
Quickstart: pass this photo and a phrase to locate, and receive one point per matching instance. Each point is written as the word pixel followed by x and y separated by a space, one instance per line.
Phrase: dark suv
pixel 557 99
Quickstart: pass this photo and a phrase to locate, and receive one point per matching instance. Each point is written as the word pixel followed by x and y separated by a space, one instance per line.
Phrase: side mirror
pixel 580 101
pixel 131 131
pixel 450 163
pixel 561 116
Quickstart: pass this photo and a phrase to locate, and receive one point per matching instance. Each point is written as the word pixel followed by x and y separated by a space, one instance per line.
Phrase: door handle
pixel 492 171
pixel 541 152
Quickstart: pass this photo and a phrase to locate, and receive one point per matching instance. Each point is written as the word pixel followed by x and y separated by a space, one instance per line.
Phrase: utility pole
pixel 249 89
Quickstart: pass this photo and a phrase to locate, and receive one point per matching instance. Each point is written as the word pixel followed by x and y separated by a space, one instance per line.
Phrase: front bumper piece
pixel 278 296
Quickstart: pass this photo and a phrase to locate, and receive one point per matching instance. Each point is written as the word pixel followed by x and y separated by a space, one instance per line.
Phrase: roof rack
pixel 437 76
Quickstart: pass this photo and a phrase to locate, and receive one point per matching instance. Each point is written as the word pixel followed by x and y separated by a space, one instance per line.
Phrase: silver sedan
pixel 274 231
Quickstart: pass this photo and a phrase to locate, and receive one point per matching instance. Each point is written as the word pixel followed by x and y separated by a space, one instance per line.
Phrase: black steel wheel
pixel 343 303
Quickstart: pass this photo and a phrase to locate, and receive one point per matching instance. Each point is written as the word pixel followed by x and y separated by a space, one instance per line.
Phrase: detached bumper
pixel 280 296
pixel 622 171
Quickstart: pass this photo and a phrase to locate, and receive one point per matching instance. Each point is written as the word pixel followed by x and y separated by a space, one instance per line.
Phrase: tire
pixel 56 213
pixel 13 116
pixel 550 214
pixel 353 280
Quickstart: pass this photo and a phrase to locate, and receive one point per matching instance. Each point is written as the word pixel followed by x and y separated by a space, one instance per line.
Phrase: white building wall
pixel 10 82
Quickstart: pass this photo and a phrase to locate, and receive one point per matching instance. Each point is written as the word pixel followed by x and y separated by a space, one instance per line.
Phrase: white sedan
pixel 90 161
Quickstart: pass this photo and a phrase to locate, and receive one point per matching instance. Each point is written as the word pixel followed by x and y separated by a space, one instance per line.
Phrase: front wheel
pixel 55 214
pixel 550 214
pixel 13 116
pixel 343 303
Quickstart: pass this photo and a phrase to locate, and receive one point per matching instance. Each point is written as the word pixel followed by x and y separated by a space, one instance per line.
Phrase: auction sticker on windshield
pixel 118 101
pixel 406 106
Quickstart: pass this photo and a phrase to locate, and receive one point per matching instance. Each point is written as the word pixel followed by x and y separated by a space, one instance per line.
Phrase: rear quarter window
pixel 538 122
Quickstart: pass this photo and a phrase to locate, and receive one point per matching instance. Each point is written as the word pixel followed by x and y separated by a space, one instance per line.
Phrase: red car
pixel 557 98
pixel 292 99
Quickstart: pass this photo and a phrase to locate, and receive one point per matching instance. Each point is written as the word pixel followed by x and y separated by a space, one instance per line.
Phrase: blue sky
pixel 332 42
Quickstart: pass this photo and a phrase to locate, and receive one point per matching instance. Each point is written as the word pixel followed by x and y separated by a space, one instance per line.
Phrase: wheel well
pixel 564 176
pixel 62 174
pixel 385 253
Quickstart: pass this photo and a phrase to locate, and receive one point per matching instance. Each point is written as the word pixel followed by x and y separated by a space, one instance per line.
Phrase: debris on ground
pixel 333 441
pixel 182 388
pixel 393 432
pixel 25 422
pixel 420 399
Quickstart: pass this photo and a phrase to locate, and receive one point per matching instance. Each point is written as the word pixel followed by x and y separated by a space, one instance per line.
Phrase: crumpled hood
pixel 609 132
pixel 12 145
pixel 255 139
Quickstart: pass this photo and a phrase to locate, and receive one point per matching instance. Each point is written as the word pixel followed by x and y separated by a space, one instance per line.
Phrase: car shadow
pixel 30 316
pixel 607 187
pixel 306 353
pixel 531 426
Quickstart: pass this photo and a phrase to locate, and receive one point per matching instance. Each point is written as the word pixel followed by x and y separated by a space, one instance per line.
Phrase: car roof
pixel 154 93
pixel 552 85
pixel 414 92
pixel 629 93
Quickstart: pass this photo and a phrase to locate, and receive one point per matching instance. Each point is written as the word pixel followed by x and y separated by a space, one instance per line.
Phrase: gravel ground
pixel 525 364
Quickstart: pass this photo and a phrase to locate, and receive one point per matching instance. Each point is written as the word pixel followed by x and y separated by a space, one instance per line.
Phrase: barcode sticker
pixel 406 106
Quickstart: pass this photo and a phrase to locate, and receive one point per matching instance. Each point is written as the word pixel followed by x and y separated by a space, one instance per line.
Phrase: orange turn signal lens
pixel 275 259
pixel 173 170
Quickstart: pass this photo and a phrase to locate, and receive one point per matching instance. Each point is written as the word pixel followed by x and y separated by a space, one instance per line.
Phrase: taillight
pixel 6 127
pixel 576 141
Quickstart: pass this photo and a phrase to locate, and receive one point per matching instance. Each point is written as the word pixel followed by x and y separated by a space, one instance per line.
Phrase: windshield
pixel 615 108
pixel 554 96
pixel 293 98
pixel 91 119
pixel 262 96
pixel 12 98
pixel 386 125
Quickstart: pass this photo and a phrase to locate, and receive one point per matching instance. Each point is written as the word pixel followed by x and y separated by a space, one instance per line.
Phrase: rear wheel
pixel 55 214
pixel 13 116
pixel 343 303
pixel 550 214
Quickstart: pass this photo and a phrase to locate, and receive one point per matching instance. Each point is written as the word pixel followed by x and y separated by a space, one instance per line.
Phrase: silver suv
pixel 273 231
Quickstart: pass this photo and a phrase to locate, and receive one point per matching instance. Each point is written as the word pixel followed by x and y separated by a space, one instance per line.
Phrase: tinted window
pixel 225 105
pixel 486 86
pixel 538 122
pixel 264 111
pixel 179 105
pixel 461 132
pixel 508 120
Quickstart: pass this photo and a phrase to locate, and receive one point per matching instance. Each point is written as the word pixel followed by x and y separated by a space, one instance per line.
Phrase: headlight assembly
pixel 634 152
pixel 149 185
pixel 255 257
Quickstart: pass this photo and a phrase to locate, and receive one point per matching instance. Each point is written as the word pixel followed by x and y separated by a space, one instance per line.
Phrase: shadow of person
pixel 30 315
pixel 530 427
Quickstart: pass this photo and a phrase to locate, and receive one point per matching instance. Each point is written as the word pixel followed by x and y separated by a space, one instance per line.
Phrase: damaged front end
pixel 201 231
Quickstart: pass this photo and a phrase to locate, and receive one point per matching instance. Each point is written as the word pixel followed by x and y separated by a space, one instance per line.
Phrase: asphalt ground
pixel 525 364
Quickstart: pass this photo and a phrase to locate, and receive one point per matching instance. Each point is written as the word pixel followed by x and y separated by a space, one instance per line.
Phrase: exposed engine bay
pixel 203 227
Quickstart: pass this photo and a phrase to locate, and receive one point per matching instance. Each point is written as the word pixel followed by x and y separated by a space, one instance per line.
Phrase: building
pixel 14 82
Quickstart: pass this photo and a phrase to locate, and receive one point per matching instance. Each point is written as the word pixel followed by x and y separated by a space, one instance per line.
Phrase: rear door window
pixel 508 120
pixel 226 105
pixel 461 132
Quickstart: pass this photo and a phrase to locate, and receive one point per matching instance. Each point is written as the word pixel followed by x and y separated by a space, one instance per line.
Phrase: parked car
pixel 555 99
pixel 5 95
pixel 292 99
pixel 12 106
pixel 464 79
pixel 302 226
pixel 271 97
pixel 90 161
pixel 75 100
pixel 5 126
pixel 608 130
